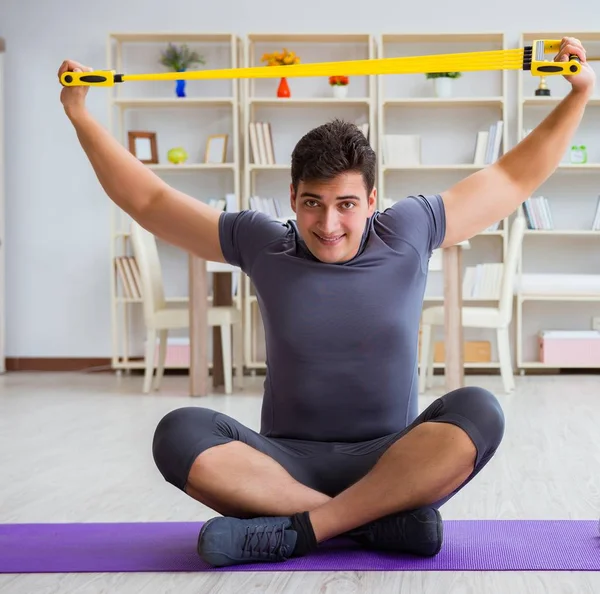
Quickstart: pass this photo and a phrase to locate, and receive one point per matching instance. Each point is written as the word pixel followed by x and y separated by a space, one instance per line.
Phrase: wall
pixel 57 217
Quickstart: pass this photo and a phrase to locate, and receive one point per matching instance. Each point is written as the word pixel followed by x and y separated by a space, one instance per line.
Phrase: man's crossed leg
pixel 281 498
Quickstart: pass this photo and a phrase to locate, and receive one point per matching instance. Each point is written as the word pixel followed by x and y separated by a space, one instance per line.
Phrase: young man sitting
pixel 342 448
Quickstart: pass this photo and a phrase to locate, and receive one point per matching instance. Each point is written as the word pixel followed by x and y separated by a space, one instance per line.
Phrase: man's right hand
pixel 73 98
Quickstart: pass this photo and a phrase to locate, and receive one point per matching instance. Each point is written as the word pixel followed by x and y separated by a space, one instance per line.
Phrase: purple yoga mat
pixel 469 545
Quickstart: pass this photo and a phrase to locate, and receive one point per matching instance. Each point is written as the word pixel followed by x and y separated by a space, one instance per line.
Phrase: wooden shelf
pixel 304 101
pixel 170 102
pixel 445 102
pixel 174 37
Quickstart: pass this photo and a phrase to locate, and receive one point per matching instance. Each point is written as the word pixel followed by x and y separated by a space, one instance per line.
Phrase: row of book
pixel 262 149
pixel 483 281
pixel 596 221
pixel 261 143
pixel 128 273
pixel 272 206
pixel 489 144
pixel 539 215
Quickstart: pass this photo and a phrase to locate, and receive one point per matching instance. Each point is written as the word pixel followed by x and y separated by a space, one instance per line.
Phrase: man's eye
pixel 311 202
pixel 349 205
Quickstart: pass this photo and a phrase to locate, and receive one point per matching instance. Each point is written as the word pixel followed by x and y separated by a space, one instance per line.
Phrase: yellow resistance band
pixel 528 58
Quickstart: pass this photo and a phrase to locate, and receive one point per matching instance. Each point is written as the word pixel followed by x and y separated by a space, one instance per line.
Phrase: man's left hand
pixel 584 81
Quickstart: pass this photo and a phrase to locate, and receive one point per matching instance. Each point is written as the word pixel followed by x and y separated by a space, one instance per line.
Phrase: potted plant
pixel 283 58
pixel 339 85
pixel 180 59
pixel 443 82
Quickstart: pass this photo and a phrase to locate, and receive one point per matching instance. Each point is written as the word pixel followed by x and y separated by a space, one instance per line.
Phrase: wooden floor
pixel 76 448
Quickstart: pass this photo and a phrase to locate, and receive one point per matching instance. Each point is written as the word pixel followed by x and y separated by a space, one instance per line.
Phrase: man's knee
pixel 482 416
pixel 177 438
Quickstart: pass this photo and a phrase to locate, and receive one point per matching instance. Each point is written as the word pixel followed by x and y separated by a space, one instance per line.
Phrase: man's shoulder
pixel 417 219
pixel 245 234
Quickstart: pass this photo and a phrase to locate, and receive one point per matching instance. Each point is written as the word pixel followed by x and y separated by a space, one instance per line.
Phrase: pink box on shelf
pixel 178 352
pixel 570 347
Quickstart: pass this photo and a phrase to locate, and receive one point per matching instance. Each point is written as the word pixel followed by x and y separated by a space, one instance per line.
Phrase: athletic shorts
pixel 328 467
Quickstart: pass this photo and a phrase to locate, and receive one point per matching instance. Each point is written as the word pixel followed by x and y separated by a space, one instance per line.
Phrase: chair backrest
pixel 509 274
pixel 146 255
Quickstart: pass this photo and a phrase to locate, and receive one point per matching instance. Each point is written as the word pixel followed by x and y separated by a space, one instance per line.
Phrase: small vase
pixel 283 90
pixel 180 86
pixel 340 91
pixel 443 86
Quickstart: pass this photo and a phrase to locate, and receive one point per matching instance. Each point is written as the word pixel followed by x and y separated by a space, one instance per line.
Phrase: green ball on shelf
pixel 177 155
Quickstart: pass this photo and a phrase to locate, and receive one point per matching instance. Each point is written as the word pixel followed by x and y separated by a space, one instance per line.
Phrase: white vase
pixel 443 86
pixel 340 91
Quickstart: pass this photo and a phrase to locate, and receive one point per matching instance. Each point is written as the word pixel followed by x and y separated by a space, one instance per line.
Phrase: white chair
pixel 160 315
pixel 498 318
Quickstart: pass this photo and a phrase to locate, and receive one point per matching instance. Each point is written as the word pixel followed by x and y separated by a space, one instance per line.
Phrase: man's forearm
pixel 535 158
pixel 127 181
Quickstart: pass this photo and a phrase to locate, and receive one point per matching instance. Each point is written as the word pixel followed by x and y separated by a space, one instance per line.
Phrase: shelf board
pixel 565 298
pixel 289 101
pixel 583 36
pixel 579 167
pixel 276 167
pixel 473 365
pixel 564 232
pixel 553 101
pixel 174 102
pixel 455 167
pixel 444 102
pixel 540 365
pixel 190 166
pixel 465 299
pixel 165 37
pixel 441 37
pixel 309 37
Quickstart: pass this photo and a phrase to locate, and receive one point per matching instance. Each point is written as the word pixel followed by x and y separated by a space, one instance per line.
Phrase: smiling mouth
pixel 329 240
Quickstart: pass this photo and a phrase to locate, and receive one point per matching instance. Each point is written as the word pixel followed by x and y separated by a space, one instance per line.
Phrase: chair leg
pixel 504 354
pixel 426 331
pixel 227 367
pixel 430 363
pixel 238 347
pixel 162 357
pixel 149 359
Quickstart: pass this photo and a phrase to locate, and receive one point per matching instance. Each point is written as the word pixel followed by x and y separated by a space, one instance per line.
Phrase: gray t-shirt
pixel 341 339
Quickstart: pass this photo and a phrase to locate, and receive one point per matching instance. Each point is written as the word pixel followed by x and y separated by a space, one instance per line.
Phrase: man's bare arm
pixel 495 192
pixel 166 212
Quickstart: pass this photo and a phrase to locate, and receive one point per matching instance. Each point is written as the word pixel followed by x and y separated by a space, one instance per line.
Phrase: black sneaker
pixel 232 541
pixel 417 532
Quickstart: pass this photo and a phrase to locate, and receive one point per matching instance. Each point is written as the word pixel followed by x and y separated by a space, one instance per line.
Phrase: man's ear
pixel 292 198
pixel 372 201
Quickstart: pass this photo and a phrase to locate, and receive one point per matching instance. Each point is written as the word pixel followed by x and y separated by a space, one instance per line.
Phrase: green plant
pixel 443 74
pixel 180 58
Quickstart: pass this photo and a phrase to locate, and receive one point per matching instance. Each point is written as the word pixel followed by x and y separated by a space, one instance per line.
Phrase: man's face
pixel 331 215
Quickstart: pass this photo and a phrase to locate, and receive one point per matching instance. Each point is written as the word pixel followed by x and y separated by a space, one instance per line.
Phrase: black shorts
pixel 327 467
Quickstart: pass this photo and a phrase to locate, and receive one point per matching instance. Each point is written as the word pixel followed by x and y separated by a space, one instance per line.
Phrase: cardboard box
pixel 475 351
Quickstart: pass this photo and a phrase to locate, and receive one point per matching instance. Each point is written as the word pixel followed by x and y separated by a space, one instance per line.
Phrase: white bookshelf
pixel 565 248
pixel 407 104
pixel 311 103
pixel 210 107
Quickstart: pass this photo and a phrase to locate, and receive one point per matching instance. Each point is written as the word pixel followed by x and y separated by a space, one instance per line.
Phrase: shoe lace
pixel 264 541
pixel 387 530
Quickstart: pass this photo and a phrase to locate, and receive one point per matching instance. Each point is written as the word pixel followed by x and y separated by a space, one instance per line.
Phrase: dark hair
pixel 332 149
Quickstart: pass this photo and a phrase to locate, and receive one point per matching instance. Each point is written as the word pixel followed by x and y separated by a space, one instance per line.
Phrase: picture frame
pixel 216 148
pixel 143 146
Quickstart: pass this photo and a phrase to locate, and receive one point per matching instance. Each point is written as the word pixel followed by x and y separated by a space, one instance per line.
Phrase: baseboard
pixel 57 364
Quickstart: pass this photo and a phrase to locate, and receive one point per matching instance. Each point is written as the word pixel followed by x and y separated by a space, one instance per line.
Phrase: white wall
pixel 57 225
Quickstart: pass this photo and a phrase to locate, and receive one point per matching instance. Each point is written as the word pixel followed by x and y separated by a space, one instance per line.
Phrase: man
pixel 341 450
